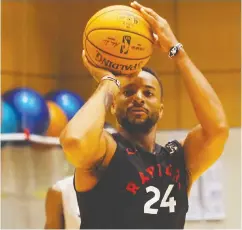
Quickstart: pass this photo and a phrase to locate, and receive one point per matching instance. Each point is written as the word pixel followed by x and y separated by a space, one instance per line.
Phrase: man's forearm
pixel 206 103
pixel 81 137
pixel 93 113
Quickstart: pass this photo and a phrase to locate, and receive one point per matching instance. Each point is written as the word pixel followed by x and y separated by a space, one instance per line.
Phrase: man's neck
pixel 147 141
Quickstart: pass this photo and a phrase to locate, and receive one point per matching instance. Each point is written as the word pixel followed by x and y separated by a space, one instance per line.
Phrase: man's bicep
pixel 201 151
pixel 54 210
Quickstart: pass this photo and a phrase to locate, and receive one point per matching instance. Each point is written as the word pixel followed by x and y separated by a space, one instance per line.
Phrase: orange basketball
pixel 58 120
pixel 117 38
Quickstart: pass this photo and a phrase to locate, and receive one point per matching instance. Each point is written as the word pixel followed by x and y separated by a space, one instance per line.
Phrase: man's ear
pixel 113 108
pixel 161 111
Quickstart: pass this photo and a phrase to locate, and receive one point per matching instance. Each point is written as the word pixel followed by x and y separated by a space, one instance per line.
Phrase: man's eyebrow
pixel 129 85
pixel 134 85
pixel 149 87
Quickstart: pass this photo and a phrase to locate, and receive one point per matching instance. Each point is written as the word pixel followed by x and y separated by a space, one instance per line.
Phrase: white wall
pixel 231 175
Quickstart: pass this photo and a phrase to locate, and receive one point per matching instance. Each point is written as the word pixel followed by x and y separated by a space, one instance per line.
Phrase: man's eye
pixel 148 94
pixel 128 93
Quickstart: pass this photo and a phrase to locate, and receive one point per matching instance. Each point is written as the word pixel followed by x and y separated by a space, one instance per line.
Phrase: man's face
pixel 139 105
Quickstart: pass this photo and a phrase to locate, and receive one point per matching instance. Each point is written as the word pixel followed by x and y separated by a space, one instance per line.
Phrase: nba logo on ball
pixel 118 39
pixel 125 45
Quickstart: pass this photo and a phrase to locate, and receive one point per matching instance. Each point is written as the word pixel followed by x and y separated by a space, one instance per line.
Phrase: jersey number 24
pixel 165 203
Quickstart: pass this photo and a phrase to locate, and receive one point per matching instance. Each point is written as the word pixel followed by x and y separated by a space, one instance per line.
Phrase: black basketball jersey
pixel 139 189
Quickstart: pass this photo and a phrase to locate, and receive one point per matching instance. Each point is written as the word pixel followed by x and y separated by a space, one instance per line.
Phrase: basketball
pixel 118 39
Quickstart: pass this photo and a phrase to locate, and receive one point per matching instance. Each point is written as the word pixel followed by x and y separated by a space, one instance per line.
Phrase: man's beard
pixel 133 128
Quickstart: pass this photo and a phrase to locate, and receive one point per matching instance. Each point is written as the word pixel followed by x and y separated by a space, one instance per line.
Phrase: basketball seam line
pixel 97 18
pixel 88 23
pixel 122 31
pixel 108 12
pixel 93 62
pixel 116 55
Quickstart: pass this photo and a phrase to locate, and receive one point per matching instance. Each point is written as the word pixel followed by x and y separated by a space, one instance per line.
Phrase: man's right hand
pixel 97 73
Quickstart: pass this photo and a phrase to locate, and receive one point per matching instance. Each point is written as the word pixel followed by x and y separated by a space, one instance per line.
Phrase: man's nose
pixel 138 99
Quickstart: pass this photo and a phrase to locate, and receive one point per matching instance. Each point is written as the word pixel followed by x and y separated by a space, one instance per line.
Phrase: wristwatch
pixel 174 50
pixel 117 82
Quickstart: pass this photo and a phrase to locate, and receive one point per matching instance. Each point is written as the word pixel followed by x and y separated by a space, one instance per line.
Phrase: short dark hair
pixel 149 70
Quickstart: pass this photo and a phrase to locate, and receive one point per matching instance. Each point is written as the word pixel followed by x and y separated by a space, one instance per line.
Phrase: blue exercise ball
pixel 69 102
pixel 31 109
pixel 9 122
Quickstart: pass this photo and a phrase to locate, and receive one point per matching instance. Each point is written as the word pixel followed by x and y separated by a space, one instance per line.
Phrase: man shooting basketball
pixel 126 180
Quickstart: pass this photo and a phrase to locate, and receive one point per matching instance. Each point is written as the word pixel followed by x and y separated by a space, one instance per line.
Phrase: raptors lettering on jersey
pixel 133 187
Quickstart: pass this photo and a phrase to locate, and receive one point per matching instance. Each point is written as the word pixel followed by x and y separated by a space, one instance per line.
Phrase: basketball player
pixel 126 180
pixel 61 206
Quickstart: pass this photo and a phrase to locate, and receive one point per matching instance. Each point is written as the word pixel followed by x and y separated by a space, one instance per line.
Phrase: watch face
pixel 173 50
